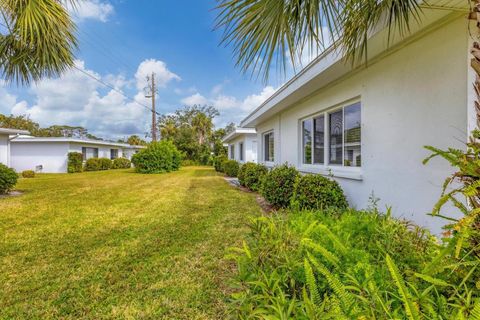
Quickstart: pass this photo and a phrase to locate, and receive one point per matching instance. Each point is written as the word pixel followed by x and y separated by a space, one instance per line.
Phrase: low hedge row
pixel 121 163
pixel 98 164
pixel 285 187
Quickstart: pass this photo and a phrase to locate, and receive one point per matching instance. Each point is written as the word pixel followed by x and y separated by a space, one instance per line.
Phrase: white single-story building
pixel 49 154
pixel 5 136
pixel 367 125
pixel 242 145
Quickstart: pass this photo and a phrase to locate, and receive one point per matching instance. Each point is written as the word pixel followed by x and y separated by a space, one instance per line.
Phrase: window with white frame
pixel 268 146
pixel 240 150
pixel 113 154
pixel 232 152
pixel 88 153
pixel 343 137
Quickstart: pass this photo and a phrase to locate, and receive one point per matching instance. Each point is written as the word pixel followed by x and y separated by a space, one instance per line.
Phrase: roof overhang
pixel 330 67
pixel 74 140
pixel 239 132
pixel 5 131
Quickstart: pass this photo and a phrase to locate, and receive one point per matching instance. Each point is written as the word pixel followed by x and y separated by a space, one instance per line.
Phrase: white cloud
pixel 195 99
pixel 91 9
pixel 162 75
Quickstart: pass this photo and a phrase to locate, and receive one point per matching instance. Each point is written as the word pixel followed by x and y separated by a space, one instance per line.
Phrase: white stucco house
pixel 49 155
pixel 5 136
pixel 367 125
pixel 242 145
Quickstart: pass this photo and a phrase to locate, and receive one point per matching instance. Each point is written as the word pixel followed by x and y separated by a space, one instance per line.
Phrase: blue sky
pixel 121 42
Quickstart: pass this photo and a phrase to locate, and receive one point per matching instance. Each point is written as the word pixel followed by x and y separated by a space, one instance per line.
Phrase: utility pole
pixel 152 90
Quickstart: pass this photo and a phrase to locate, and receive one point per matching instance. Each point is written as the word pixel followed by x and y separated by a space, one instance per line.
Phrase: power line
pixel 115 89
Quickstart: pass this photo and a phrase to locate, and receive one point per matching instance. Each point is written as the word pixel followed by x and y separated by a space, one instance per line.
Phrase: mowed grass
pixel 120 245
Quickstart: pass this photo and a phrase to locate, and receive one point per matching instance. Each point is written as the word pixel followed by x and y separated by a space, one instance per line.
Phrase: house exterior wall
pixel 4 150
pixel 250 146
pixel 52 156
pixel 103 151
pixel 413 97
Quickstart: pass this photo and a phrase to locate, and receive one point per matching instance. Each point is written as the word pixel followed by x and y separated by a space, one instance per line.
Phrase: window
pixel 113 154
pixel 268 146
pixel 240 149
pixel 344 137
pixel 232 152
pixel 89 153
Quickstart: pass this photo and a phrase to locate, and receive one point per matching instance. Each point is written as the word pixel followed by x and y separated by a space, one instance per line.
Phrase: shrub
pixel 317 192
pixel 121 163
pixel 230 168
pixel 250 175
pixel 277 185
pixel 188 163
pixel 358 265
pixel 8 179
pixel 105 163
pixel 92 164
pixel 28 174
pixel 158 157
pixel 218 162
pixel 75 162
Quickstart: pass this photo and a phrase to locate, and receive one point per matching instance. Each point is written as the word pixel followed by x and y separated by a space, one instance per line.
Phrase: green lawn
pixel 120 245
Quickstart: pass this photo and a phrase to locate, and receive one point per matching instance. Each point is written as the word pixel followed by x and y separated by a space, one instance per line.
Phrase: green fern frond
pixel 410 308
pixel 311 283
pixel 329 256
pixel 432 280
pixel 336 241
pixel 475 314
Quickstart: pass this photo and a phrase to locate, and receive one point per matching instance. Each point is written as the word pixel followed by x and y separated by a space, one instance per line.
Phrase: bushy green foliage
pixel 8 179
pixel 357 265
pixel 92 164
pixel 105 163
pixel 250 175
pixel 121 163
pixel 75 162
pixel 231 167
pixel 277 185
pixel 317 192
pixel 189 163
pixel 158 157
pixel 28 174
pixel 219 161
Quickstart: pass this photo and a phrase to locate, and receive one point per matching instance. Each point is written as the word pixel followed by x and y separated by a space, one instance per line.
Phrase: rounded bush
pixel 75 162
pixel 251 174
pixel 28 174
pixel 277 185
pixel 231 167
pixel 105 163
pixel 92 164
pixel 121 163
pixel 158 157
pixel 218 162
pixel 317 192
pixel 8 179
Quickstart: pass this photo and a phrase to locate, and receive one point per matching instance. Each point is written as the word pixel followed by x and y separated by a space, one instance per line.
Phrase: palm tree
pixel 37 39
pixel 266 31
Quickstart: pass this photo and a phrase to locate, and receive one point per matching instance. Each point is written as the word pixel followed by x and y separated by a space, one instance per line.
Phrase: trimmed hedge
pixel 75 162
pixel 250 175
pixel 277 185
pixel 92 164
pixel 121 163
pixel 317 192
pixel 28 174
pixel 8 179
pixel 218 162
pixel 105 163
pixel 158 157
pixel 231 167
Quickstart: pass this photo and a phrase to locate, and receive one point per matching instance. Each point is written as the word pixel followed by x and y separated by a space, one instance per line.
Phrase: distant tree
pixel 135 140
pixel 38 40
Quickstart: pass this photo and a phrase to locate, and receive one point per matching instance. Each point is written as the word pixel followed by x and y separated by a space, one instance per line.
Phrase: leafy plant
pixel 218 162
pixel 158 157
pixel 104 163
pixel 277 185
pixel 317 192
pixel 92 164
pixel 74 162
pixel 231 168
pixel 251 174
pixel 8 179
pixel 121 163
pixel 28 174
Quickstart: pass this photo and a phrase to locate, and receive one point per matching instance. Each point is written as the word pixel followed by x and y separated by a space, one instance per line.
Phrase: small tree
pixel 158 157
pixel 8 179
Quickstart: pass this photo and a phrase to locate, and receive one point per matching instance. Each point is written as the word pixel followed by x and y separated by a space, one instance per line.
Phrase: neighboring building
pixel 242 145
pixel 367 126
pixel 49 155
pixel 5 137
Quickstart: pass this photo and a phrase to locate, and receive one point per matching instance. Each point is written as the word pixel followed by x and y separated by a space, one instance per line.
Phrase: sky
pixel 121 42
